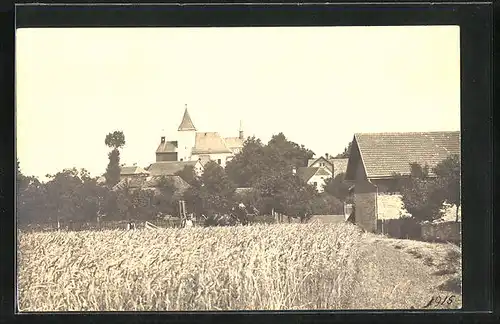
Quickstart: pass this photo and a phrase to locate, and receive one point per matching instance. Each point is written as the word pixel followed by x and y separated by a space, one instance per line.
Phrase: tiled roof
pixel 168 167
pixel 305 173
pixel 234 142
pixel 167 147
pixel 151 182
pixel 186 123
pixel 386 153
pixel 311 162
pixel 210 142
pixel 130 170
pixel 323 171
pixel 339 165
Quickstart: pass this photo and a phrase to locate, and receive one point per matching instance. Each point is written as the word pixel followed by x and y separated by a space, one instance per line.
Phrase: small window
pixel 219 161
pixel 315 184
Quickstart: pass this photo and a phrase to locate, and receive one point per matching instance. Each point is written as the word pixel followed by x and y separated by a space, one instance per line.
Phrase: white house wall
pixel 320 182
pixel 214 157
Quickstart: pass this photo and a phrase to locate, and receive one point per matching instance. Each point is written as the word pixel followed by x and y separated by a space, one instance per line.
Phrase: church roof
pixel 210 142
pixel 234 142
pixel 186 123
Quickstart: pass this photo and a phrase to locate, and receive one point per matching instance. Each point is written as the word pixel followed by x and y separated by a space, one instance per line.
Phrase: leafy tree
pixel 217 191
pixel 325 204
pixel 30 199
pixel 421 195
pixel 164 201
pixel 192 196
pixel 448 173
pixel 299 199
pixel 115 140
pixel 285 193
pixel 419 172
pixel 142 205
pixel 247 166
pixel 398 183
pixel 74 195
pixel 336 187
pixel 257 160
pixel 188 174
pixel 292 153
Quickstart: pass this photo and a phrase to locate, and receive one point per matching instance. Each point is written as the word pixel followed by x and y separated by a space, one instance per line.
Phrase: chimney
pixel 163 139
pixel 241 132
pixel 326 155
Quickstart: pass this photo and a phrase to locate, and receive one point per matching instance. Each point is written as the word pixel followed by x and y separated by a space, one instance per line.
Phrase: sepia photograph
pixel 238 168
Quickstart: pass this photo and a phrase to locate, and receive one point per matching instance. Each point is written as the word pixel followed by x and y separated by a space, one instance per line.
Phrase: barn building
pixel 376 158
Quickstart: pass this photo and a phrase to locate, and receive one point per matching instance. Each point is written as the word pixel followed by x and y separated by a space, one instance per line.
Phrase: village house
pixel 152 183
pixel 320 169
pixel 192 145
pixel 132 171
pixel 169 168
pixel 335 165
pixel 375 159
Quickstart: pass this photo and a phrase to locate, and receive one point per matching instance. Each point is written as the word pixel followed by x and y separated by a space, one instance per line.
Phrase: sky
pixel 317 85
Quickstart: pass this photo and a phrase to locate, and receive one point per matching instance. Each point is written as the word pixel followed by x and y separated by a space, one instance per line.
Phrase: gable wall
pixel 171 156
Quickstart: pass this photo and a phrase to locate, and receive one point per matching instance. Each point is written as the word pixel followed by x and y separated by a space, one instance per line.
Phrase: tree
pixel 114 140
pixel 257 160
pixel 30 199
pixel 299 199
pixel 164 201
pixel 216 191
pixel 336 187
pixel 285 193
pixel 188 174
pixel 345 154
pixel 74 195
pixel 421 195
pixel 247 166
pixel 325 204
pixel 291 153
pixel 448 177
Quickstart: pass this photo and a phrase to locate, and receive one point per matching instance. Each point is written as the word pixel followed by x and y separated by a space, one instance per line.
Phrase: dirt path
pixel 397 277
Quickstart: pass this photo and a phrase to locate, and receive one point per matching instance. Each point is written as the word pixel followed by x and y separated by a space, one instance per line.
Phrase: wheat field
pixel 261 267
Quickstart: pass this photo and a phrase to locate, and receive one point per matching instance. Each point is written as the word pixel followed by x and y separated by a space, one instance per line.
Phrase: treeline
pixel 268 169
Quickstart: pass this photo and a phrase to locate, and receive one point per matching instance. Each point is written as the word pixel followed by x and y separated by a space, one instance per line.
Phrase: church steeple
pixel 186 123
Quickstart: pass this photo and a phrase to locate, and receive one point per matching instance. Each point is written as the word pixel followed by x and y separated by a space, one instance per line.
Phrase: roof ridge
pixel 409 133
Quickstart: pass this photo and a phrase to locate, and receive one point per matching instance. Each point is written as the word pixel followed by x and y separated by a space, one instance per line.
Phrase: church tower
pixel 186 135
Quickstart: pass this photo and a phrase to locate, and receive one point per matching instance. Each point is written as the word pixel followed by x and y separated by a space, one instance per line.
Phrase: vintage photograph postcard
pixel 244 168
